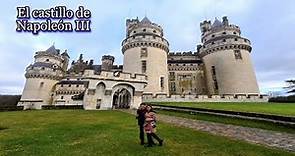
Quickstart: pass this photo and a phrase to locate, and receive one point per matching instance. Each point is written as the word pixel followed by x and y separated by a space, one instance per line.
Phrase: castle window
pixel 172 76
pixel 70 85
pixel 154 37
pixel 215 85
pixel 77 85
pixel 172 87
pixel 143 36
pixel 224 40
pixel 238 54
pixel 143 52
pixel 162 82
pixel 43 68
pixel 154 31
pixel 245 40
pixel 143 66
pixel 47 60
pixel 144 30
pixel 213 42
pixel 213 70
pixel 133 37
pixel 134 31
pixel 61 85
pixel 41 84
pixel 213 35
pixel 68 78
pixel 234 32
pixel 236 39
pixel 62 97
pixel 224 33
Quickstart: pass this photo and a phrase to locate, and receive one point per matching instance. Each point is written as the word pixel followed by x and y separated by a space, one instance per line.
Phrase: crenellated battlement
pixel 149 97
pixel 90 74
pixel 189 53
pixel 208 28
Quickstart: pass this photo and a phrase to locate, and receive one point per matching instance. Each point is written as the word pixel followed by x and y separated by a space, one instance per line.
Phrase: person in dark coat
pixel 140 120
pixel 150 126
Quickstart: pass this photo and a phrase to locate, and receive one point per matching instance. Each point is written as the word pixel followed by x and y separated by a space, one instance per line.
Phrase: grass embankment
pixel 284 109
pixel 233 121
pixel 79 132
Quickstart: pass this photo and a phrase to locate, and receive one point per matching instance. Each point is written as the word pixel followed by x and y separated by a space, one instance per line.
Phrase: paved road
pixel 253 135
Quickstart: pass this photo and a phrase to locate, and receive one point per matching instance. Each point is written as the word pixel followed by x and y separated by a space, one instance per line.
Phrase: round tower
pixel 226 55
pixel 107 62
pixel 145 52
pixel 48 68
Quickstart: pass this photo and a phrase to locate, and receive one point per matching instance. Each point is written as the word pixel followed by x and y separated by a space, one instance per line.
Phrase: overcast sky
pixel 269 24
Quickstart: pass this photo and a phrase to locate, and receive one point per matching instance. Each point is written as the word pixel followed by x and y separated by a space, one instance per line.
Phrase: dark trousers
pixel 150 137
pixel 141 133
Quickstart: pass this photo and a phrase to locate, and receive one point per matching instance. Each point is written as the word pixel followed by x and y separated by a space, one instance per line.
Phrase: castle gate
pixel 122 96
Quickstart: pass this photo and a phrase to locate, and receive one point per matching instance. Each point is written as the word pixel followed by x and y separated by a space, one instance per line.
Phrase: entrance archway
pixel 122 98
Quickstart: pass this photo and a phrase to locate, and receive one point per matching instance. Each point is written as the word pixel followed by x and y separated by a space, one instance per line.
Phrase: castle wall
pixel 102 88
pixel 233 76
pixel 37 92
pixel 205 98
pixel 188 79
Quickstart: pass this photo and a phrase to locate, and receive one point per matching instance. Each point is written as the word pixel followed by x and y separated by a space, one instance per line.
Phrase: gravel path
pixel 253 135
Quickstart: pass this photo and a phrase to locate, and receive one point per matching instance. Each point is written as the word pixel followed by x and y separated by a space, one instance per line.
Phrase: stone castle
pixel 220 67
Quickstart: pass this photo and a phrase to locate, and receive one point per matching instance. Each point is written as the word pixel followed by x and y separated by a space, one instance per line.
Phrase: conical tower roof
pixel 217 23
pixel 52 50
pixel 145 20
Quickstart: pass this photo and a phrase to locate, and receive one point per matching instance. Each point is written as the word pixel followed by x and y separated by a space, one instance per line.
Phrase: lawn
pixel 285 109
pixel 233 121
pixel 79 132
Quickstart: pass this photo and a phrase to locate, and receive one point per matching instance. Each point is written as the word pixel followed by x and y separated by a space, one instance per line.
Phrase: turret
pixel 225 21
pixel 145 52
pixel 66 58
pixel 107 62
pixel 226 55
pixel 48 68
pixel 205 26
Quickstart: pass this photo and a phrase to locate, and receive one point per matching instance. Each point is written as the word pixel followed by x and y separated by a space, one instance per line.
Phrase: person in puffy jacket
pixel 150 126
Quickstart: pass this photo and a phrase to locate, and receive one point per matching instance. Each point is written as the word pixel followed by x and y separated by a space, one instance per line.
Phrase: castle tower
pixel 48 68
pixel 107 62
pixel 226 55
pixel 145 52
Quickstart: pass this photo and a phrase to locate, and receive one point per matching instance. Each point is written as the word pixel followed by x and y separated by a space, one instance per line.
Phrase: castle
pixel 221 66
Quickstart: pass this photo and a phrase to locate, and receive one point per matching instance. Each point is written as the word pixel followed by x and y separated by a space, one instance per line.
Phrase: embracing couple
pixel 146 117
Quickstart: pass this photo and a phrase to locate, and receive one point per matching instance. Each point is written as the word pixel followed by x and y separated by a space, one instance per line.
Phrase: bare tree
pixel 291 85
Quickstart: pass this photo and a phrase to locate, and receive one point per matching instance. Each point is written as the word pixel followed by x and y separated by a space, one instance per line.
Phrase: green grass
pixel 233 121
pixel 286 109
pixel 78 132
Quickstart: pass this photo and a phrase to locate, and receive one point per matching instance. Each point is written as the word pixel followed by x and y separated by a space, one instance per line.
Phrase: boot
pixel 150 140
pixel 157 138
